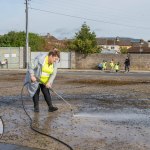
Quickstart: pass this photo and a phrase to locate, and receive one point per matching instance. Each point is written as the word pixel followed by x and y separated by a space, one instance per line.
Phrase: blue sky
pixel 107 18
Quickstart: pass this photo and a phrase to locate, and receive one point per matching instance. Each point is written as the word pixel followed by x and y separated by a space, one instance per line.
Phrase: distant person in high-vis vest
pixel 40 76
pixel 112 65
pixel 117 67
pixel 104 65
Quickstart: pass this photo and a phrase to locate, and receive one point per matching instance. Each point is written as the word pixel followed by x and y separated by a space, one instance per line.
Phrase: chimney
pixel 148 43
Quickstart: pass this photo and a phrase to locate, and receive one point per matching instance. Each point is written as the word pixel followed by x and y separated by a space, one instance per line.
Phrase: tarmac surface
pixel 111 111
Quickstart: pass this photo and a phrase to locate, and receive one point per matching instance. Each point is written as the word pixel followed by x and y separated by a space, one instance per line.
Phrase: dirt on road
pixel 111 111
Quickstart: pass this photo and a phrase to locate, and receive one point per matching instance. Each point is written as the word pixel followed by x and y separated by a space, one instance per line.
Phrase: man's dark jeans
pixel 127 68
pixel 46 94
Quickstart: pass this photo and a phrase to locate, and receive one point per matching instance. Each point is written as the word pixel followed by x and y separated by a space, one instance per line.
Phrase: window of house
pixel 112 47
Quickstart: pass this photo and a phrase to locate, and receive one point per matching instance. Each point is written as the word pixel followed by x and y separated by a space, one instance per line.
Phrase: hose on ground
pixel 34 129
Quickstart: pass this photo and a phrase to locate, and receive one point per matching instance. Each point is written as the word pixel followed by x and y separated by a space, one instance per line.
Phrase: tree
pixel 18 39
pixel 123 50
pixel 36 42
pixel 85 41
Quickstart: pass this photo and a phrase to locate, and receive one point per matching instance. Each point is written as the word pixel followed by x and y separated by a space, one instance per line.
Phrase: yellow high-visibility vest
pixel 47 70
pixel 116 67
pixel 111 64
pixel 104 65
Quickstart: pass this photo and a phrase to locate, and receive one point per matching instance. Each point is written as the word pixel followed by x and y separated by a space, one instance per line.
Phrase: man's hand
pixel 48 85
pixel 33 78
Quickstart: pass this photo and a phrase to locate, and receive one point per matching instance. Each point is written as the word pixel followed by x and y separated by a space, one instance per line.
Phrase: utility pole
pixel 27 35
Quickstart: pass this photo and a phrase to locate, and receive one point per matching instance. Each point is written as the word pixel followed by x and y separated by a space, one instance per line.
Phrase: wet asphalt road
pixel 109 116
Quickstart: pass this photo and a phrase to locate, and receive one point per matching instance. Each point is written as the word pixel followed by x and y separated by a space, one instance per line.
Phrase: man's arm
pixel 33 65
pixel 52 77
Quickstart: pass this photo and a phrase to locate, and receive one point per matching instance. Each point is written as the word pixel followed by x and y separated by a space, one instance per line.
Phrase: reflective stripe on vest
pixel 47 70
pixel 44 74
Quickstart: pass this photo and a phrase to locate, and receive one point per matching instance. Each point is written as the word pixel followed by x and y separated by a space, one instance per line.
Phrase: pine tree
pixel 85 41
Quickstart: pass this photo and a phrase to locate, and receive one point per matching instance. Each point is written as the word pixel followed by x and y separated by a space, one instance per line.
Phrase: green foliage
pixel 18 39
pixel 36 42
pixel 85 41
pixel 123 50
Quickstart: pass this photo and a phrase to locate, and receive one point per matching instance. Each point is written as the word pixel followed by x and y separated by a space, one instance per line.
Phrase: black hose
pixel 36 129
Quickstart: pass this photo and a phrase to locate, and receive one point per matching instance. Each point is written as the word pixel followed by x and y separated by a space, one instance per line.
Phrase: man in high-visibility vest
pixel 104 65
pixel 40 76
pixel 111 65
pixel 117 67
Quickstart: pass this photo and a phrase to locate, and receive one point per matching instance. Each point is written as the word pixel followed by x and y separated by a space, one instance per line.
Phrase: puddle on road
pixel 114 116
pixel 4 146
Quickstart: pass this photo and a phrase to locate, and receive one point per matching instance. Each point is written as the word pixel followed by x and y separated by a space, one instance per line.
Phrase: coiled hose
pixel 36 129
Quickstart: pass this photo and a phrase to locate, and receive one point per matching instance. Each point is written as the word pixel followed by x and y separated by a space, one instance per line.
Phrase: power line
pixel 88 11
pixel 89 19
pixel 91 5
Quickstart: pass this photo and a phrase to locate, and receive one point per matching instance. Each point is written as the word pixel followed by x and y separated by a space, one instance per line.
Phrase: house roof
pixel 145 50
pixel 120 42
pixel 134 44
pixel 124 43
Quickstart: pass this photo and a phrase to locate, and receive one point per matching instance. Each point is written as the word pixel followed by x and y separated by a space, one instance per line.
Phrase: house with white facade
pixel 113 45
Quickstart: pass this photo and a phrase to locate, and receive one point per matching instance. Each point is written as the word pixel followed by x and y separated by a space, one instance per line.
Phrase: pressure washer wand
pixel 58 96
pixel 62 99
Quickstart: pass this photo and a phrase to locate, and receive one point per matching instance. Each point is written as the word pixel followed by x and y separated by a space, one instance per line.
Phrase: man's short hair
pixel 54 52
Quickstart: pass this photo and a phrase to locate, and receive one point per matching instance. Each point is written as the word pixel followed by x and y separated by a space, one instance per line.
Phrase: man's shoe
pixel 51 109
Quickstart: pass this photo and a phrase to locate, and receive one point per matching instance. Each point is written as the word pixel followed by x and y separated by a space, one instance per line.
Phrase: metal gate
pixel 65 60
pixel 11 54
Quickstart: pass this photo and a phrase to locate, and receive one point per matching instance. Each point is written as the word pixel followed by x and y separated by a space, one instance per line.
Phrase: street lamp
pixel 141 43
pixel 116 40
pixel 141 50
